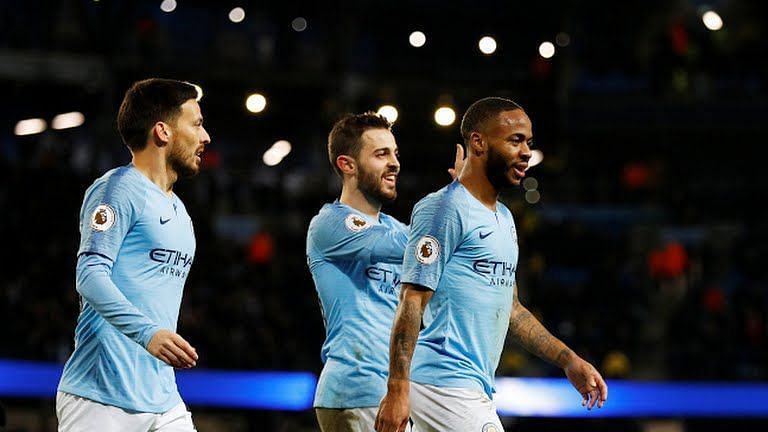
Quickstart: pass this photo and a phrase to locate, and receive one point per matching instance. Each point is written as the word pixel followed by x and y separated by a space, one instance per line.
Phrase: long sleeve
pixel 95 285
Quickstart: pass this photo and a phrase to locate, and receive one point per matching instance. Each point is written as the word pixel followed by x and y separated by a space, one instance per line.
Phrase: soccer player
pixel 460 266
pixel 354 252
pixel 136 248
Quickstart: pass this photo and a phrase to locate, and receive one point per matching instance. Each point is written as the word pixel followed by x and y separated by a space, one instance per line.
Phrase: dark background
pixel 645 250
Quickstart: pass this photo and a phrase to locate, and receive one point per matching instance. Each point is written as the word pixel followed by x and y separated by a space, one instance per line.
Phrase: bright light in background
pixel 445 116
pixel 68 120
pixel 530 183
pixel 168 5
pixel 389 112
pixel 276 153
pixel 532 196
pixel 237 14
pixel 563 39
pixel 547 49
pixel 199 91
pixel 712 20
pixel 271 158
pixel 417 39
pixel 299 24
pixel 30 126
pixel 256 103
pixel 487 45
pixel 537 156
pixel 281 147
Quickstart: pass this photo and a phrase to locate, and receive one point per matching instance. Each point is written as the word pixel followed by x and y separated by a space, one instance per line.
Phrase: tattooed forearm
pixel 405 332
pixel 527 331
pixel 563 356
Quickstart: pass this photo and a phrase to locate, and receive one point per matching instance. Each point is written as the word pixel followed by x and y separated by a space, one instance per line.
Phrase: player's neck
pixel 356 199
pixel 153 165
pixel 475 180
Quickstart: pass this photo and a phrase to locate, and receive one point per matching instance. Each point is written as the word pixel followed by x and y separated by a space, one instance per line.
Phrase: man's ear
pixel 346 164
pixel 476 144
pixel 161 133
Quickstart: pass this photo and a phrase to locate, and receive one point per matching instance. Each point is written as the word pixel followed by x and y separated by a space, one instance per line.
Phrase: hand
pixel 394 411
pixel 458 163
pixel 172 349
pixel 588 381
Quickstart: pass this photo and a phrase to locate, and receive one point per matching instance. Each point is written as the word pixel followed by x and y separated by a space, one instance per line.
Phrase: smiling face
pixel 189 139
pixel 509 137
pixel 378 165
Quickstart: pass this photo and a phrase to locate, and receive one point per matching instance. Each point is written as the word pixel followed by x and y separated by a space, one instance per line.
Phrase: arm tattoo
pixel 527 331
pixel 405 332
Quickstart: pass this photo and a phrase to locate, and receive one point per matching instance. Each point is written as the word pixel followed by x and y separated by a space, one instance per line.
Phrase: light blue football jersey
pixel 355 262
pixel 136 248
pixel 467 254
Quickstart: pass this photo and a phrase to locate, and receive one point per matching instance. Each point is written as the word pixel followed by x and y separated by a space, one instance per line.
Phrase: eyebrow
pixel 520 135
pixel 386 149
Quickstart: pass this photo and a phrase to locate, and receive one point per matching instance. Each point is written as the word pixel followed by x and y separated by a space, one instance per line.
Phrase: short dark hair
pixel 483 110
pixel 148 101
pixel 344 138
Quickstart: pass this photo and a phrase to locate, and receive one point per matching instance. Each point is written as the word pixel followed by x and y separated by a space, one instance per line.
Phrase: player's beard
pixel 183 165
pixel 497 170
pixel 371 185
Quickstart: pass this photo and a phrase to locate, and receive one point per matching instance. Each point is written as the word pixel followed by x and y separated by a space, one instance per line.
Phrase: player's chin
pixel 388 194
pixel 511 179
pixel 514 178
pixel 190 170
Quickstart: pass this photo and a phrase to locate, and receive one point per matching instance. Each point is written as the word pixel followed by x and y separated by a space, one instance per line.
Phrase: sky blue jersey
pixel 467 254
pixel 355 262
pixel 136 248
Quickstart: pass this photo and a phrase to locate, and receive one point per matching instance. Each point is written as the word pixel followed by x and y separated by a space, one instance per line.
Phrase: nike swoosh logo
pixel 482 236
pixel 164 221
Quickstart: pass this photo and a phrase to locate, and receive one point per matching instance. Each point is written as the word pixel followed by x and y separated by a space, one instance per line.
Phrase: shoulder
pixel 342 215
pixel 121 180
pixel 326 216
pixel 120 189
pixel 447 201
pixel 337 218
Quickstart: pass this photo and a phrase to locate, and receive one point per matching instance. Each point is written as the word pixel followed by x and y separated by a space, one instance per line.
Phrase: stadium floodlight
pixel 547 49
pixel 256 103
pixel 417 39
pixel 299 24
pixel 445 116
pixel 30 126
pixel 237 15
pixel 487 45
pixel 389 112
pixel 168 6
pixel 712 20
pixel 68 120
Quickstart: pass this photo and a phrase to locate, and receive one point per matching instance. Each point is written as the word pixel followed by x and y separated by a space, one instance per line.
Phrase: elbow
pixel 90 271
pixel 83 282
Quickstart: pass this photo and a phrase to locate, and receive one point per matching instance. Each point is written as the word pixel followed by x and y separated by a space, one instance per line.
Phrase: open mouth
pixel 520 169
pixel 390 179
